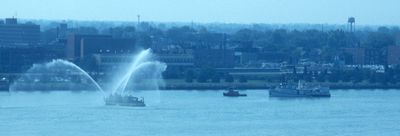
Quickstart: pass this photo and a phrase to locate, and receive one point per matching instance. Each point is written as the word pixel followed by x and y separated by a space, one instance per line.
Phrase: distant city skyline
pixel 384 12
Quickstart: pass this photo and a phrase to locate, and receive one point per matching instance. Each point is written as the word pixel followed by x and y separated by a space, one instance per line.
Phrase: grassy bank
pixel 178 84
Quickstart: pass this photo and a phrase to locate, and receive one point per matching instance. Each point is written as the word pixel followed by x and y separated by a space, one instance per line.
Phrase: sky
pixel 366 12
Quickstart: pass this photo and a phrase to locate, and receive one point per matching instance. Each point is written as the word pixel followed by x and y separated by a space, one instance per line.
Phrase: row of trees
pixel 391 75
pixel 357 75
pixel 294 43
pixel 297 44
pixel 207 75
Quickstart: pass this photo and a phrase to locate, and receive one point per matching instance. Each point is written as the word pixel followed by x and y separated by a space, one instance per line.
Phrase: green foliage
pixel 229 78
pixel 334 76
pixel 202 78
pixel 189 76
pixel 307 76
pixel 242 79
pixel 207 73
pixel 380 39
pixel 321 77
pixel 189 80
pixel 372 78
pixel 215 79
pixel 312 44
pixel 357 75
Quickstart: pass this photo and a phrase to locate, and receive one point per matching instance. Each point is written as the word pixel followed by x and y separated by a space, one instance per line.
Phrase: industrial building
pixel 14 34
pixel 80 46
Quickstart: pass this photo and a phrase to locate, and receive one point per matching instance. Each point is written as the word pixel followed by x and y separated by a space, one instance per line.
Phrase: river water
pixel 201 113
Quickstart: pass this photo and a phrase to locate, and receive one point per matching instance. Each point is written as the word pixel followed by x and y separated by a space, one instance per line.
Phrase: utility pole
pixel 138 19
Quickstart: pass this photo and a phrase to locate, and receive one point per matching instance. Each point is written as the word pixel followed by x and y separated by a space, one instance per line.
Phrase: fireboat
pixel 233 93
pixel 301 90
pixel 124 100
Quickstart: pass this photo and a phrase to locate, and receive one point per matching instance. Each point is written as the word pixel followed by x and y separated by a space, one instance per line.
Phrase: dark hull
pixel 131 104
pixel 124 101
pixel 296 93
pixel 234 95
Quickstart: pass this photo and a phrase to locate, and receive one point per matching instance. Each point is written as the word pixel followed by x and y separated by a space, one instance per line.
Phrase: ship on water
pixel 124 100
pixel 233 93
pixel 300 90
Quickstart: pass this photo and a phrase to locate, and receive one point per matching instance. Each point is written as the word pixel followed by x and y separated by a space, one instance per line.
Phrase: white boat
pixel 124 100
pixel 233 93
pixel 301 90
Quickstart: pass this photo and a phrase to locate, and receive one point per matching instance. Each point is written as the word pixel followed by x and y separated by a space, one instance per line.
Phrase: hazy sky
pixel 375 12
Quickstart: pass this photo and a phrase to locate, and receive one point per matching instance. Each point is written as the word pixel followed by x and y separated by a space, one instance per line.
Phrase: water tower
pixel 138 19
pixel 352 24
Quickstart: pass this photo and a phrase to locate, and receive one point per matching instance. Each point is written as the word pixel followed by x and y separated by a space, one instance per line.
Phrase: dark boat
pixel 233 93
pixel 301 90
pixel 124 100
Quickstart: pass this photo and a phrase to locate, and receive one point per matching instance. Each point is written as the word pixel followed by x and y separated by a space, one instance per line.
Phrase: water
pixel 200 113
pixel 144 73
pixel 59 72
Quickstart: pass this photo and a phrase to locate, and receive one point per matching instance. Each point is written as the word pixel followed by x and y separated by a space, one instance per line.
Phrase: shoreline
pixel 181 85
pixel 257 86
pixel 268 88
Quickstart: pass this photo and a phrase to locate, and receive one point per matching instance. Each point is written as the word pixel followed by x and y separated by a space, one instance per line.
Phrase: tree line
pixel 317 45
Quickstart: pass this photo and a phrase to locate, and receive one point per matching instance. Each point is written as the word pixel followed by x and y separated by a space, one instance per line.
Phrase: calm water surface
pixel 201 113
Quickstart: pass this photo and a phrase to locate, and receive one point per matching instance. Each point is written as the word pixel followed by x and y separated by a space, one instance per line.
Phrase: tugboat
pixel 127 100
pixel 301 90
pixel 233 93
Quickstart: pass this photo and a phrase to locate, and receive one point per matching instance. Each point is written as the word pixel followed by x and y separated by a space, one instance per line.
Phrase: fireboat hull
pixel 234 95
pixel 139 104
pixel 297 93
pixel 118 100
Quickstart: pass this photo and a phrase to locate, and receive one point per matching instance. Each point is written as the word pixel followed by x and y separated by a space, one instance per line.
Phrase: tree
pixel 229 78
pixel 205 74
pixel 182 36
pixel 122 32
pixel 307 76
pixel 381 78
pixel 202 78
pixel 86 30
pixel 189 76
pixel 215 79
pixel 144 40
pixel 389 74
pixel 334 76
pixel 337 39
pixel 345 76
pixel 242 79
pixel 372 78
pixel 380 40
pixel 321 77
pixel 357 75
pixel 294 75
